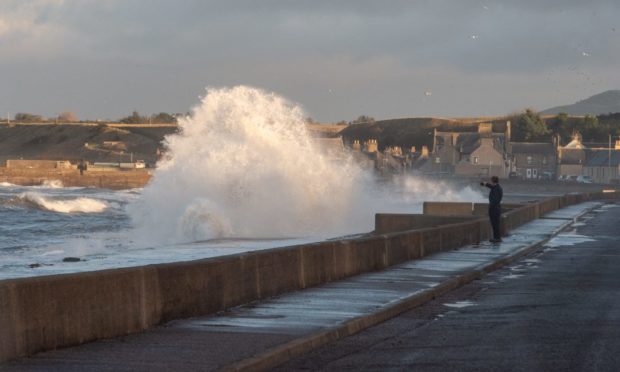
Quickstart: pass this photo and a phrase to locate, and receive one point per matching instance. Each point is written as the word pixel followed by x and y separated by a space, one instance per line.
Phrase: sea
pixel 51 229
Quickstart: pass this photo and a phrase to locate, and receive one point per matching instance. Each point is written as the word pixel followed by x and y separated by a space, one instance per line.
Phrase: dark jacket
pixel 495 195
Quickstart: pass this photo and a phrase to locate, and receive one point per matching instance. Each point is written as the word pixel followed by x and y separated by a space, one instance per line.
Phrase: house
pixel 572 157
pixel 603 165
pixel 533 160
pixel 471 153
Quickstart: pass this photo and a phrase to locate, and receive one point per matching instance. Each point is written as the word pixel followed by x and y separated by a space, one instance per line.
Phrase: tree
pixel 363 119
pixel 529 126
pixel 562 126
pixel 134 118
pixel 592 129
pixel 67 117
pixel 28 118
pixel 163 118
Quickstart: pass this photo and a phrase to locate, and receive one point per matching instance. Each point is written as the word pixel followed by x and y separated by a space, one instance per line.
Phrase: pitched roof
pixel 468 142
pixel 602 158
pixel 532 148
pixel 574 144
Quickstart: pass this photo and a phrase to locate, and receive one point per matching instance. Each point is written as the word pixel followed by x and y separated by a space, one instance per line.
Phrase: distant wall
pixel 447 208
pixel 30 164
pixel 390 222
pixel 110 179
pixel 44 313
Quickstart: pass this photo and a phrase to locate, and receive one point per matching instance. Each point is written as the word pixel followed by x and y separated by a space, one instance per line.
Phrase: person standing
pixel 495 209
pixel 82 166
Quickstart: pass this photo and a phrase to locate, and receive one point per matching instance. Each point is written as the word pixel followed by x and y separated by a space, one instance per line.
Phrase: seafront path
pixel 560 281
pixel 556 310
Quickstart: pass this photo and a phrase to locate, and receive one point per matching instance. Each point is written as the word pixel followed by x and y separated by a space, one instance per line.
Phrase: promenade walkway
pixel 269 332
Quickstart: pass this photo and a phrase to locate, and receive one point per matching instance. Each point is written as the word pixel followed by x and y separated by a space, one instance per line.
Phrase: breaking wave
pixel 76 205
pixel 244 165
pixel 52 184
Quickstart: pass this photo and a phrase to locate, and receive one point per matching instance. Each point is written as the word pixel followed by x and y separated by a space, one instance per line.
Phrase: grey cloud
pixel 379 56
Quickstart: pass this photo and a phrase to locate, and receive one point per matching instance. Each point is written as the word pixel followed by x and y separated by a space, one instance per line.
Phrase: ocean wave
pixel 7 184
pixel 52 184
pixel 76 205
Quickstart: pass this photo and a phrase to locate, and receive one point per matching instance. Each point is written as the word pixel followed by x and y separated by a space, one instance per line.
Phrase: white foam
pixel 52 184
pixel 76 205
pixel 243 164
pixel 561 240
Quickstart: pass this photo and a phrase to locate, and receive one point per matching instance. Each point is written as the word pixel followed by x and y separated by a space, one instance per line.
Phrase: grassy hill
pixel 603 103
pixel 96 142
pixel 73 142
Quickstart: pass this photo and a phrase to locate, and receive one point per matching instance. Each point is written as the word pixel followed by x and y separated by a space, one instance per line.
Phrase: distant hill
pixel 74 142
pixel 409 132
pixel 602 103
pixel 96 142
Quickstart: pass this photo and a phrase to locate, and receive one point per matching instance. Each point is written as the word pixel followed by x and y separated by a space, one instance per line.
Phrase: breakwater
pixel 57 311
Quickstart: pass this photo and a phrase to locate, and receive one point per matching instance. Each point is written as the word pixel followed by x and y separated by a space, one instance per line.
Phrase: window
pixel 529 160
pixel 475 160
pixel 437 160
pixel 544 160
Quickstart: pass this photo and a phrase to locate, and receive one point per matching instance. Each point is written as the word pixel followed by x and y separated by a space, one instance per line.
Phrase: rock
pixel 71 259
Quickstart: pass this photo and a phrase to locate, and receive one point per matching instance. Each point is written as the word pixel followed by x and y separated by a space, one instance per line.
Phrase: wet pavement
pixel 556 310
pixel 212 342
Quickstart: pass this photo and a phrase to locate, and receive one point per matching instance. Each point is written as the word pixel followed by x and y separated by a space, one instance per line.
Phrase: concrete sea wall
pixel 45 313
pixel 109 179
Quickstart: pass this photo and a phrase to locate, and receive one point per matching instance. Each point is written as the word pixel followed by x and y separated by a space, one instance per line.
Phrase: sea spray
pixel 244 165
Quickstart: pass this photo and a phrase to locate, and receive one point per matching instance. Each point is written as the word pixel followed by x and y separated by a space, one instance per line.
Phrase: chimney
pixel 371 145
pixel 424 152
pixel 485 129
pixel 617 145
pixel 356 145
pixel 413 149
pixel 507 135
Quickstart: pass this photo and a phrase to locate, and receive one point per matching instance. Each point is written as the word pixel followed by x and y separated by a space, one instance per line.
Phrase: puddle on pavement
pixel 460 304
pixel 532 260
pixel 568 239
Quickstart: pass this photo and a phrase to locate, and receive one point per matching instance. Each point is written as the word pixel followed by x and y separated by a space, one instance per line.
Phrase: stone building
pixel 603 165
pixel 531 160
pixel 571 157
pixel 480 153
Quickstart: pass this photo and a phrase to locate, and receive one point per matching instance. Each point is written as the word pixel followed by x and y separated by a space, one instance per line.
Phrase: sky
pixel 103 59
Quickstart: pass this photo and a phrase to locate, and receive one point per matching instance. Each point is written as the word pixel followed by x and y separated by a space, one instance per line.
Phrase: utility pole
pixel 609 158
